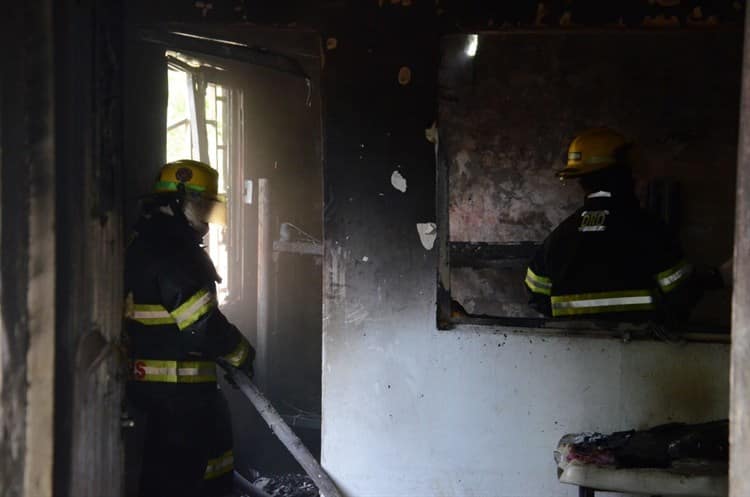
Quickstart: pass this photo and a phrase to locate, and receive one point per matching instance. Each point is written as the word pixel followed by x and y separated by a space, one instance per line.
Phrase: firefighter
pixel 175 332
pixel 610 259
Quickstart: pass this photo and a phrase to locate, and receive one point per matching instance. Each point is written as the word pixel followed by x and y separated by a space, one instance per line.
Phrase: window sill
pixel 626 332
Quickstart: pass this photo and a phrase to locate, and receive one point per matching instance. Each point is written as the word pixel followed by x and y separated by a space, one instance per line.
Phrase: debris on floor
pixel 289 485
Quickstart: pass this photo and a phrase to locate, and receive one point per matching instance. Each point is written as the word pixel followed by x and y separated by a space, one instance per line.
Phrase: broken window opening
pixel 498 197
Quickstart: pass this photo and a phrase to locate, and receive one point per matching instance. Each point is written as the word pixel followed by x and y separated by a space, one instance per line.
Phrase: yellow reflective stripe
pixel 538 284
pixel 174 371
pixel 601 302
pixel 671 278
pixel 239 354
pixel 219 466
pixel 194 308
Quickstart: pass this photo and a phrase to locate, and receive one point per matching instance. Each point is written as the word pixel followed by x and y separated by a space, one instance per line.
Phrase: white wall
pixel 412 411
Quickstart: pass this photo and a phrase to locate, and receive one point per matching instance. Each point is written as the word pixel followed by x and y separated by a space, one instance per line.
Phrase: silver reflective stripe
pixel 680 273
pixel 178 372
pixel 151 314
pixel 161 371
pixel 600 194
pixel 605 302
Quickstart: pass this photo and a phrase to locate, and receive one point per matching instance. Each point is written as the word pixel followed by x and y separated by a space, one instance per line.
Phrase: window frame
pixel 234 148
pixel 536 326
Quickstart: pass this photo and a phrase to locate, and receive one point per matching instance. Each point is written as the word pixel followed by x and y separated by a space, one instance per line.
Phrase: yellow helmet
pixel 200 182
pixel 593 150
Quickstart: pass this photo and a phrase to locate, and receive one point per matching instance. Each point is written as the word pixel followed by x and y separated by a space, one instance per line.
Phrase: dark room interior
pixel 428 278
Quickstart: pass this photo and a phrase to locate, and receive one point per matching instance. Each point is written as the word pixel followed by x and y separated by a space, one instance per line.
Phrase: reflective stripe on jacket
pixel 602 302
pixel 149 370
pixel 610 257
pixel 174 327
pixel 190 311
pixel 219 466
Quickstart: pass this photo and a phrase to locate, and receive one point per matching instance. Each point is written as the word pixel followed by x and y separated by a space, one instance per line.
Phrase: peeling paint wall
pixel 508 114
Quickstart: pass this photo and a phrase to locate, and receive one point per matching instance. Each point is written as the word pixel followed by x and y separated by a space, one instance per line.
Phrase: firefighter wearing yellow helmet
pixel 175 333
pixel 198 185
pixel 610 259
pixel 594 150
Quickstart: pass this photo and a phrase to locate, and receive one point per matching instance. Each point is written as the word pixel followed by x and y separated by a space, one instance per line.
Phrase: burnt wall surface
pixel 61 249
pixel 507 118
pixel 90 246
pixel 16 102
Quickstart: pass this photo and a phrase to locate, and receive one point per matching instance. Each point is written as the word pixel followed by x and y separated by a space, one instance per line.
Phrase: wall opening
pixel 507 114
pixel 247 101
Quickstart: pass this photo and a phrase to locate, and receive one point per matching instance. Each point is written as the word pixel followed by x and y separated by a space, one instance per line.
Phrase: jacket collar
pixel 157 225
pixel 603 197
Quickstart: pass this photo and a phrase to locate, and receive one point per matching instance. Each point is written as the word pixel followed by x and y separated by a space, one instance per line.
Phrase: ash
pixel 290 485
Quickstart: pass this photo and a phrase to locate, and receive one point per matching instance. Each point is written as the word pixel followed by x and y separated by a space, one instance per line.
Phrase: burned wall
pixel 508 114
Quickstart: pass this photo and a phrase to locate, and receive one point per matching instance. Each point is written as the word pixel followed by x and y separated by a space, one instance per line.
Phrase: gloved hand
pixel 247 364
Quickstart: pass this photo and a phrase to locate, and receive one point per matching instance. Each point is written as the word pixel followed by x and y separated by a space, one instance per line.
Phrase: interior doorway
pixel 247 102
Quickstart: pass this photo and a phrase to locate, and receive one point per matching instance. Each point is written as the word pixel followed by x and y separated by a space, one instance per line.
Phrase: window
pixel 195 98
pixel 507 111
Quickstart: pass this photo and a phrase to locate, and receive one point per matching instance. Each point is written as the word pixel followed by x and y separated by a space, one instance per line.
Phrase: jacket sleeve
pixel 538 282
pixel 206 331
pixel 679 289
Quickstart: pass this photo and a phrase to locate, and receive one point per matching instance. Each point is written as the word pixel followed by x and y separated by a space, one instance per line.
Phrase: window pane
pixel 181 145
pixel 177 108
pixel 211 102
pixel 178 142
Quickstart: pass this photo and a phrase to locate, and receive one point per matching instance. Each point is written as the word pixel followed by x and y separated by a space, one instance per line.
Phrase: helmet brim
pixel 569 173
pixel 576 172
